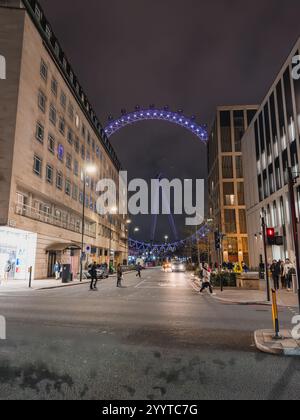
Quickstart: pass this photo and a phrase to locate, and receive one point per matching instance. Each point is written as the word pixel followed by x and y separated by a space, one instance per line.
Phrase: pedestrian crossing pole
pixel 295 227
pixel 263 226
pixel 277 335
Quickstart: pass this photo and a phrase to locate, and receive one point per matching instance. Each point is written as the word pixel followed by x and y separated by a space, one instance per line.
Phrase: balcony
pixel 47 218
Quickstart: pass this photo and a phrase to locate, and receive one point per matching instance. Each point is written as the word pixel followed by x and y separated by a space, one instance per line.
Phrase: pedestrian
pixel 289 270
pixel 282 276
pixel 275 270
pixel 56 270
pixel 119 276
pixel 7 269
pixel 245 267
pixel 206 273
pixel 94 277
pixel 138 269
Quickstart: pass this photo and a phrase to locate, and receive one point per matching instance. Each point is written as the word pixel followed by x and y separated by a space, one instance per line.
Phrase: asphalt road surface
pixel 154 339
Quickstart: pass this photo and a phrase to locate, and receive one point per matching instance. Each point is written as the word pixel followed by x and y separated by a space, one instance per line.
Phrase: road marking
pixel 140 283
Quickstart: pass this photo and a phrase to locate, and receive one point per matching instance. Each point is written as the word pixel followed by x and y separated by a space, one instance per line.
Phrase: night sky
pixel 192 54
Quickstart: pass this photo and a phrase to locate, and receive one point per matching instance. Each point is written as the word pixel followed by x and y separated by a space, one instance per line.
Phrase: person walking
pixel 275 270
pixel 56 270
pixel 94 278
pixel 289 271
pixel 206 275
pixel 139 270
pixel 119 275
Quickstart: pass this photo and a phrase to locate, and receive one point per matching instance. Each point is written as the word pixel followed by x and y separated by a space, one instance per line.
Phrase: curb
pixel 275 351
pixel 242 303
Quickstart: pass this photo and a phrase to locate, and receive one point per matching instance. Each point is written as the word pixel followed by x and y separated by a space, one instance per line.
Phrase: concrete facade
pixel 48 134
pixel 271 146
pixel 227 210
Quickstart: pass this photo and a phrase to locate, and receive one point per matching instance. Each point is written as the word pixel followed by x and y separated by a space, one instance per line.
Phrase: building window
pixel 83 130
pixel 62 126
pixel 241 193
pixel 40 131
pixel 51 143
pixel 225 123
pixel 54 86
pixel 239 129
pixel 42 101
pixel 38 12
pixel 48 32
pixel 52 115
pixel 68 187
pixel 59 180
pixel 37 165
pixel 76 145
pixel 76 168
pixel 44 70
pixel 63 100
pixel 243 222
pixel 75 192
pixel 71 112
pixel 229 197
pixel 227 167
pixel 70 136
pixel 49 174
pixel 60 152
pixel 230 221
pixel 69 161
pixel 239 167
pixel 82 152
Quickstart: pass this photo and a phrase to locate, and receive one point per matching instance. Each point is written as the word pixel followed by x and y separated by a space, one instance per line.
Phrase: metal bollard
pixel 275 316
pixel 30 276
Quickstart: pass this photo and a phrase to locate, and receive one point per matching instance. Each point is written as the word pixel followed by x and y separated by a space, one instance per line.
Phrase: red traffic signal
pixel 271 236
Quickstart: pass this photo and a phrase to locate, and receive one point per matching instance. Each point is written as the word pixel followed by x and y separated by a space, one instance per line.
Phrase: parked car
pixel 102 272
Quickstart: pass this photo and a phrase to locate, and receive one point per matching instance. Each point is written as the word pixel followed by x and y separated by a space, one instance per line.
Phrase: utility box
pixel 66 274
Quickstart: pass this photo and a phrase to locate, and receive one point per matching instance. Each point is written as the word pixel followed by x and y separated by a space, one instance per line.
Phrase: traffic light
pixel 271 238
pixel 217 240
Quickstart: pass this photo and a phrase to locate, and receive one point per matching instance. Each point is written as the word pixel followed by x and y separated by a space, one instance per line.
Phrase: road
pixel 155 338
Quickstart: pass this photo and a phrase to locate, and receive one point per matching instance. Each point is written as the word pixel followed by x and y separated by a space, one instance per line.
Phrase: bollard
pixel 30 276
pixel 275 316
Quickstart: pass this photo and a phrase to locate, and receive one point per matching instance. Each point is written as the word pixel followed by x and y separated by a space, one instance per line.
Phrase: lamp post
pixel 87 170
pixel 128 223
pixel 112 211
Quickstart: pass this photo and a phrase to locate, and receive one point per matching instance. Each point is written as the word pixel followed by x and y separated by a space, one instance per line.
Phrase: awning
pixel 59 246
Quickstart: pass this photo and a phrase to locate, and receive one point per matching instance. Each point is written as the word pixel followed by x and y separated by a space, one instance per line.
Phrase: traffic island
pixel 286 346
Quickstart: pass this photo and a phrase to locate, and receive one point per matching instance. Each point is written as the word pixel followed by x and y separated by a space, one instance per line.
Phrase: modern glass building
pixel 270 147
pixel 227 209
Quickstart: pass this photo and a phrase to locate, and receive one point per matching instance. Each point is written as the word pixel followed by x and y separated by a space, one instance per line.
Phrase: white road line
pixel 140 283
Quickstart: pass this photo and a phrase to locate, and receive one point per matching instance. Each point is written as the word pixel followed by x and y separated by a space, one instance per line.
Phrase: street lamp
pixel 128 222
pixel 136 230
pixel 87 170
pixel 113 210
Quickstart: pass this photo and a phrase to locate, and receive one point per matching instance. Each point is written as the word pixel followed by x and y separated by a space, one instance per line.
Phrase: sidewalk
pixel 252 297
pixel 286 347
pixel 23 285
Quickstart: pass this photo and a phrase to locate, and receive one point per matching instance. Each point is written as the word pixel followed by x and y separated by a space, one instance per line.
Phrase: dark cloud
pixel 191 54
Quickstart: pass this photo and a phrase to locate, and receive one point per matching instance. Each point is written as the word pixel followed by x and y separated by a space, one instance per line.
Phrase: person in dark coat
pixel 139 270
pixel 119 276
pixel 276 271
pixel 94 278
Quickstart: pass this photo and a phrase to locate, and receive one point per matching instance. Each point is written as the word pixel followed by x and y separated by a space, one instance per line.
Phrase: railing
pixel 44 217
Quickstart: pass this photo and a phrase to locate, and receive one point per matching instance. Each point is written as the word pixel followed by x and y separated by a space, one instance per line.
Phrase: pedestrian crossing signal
pixel 271 239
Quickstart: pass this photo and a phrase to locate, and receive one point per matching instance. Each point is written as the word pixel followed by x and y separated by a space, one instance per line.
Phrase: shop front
pixel 18 252
pixel 64 254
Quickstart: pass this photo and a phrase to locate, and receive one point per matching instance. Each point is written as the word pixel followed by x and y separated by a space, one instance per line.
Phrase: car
pixel 178 267
pixel 102 272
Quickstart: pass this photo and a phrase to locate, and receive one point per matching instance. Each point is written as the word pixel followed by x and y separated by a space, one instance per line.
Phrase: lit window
pixel 71 112
pixel 39 134
pixel 75 192
pixel 37 12
pixel 60 152
pixel 37 165
pixel 48 32
pixel 76 168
